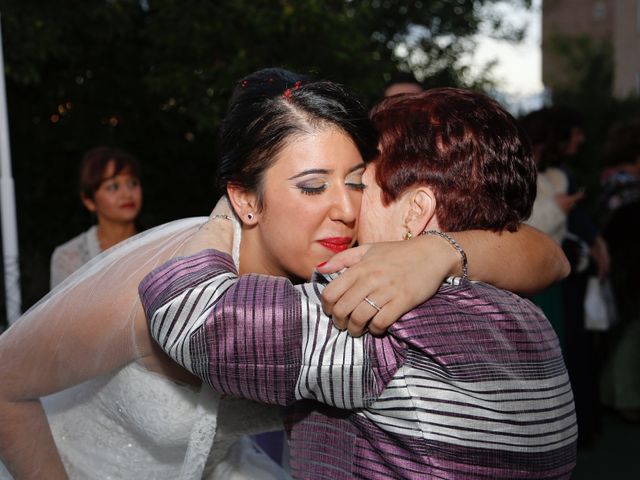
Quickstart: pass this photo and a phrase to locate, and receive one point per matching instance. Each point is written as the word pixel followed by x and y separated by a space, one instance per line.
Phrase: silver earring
pixel 250 216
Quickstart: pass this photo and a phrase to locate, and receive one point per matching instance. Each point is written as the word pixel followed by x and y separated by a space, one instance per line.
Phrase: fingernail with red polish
pixel 321 264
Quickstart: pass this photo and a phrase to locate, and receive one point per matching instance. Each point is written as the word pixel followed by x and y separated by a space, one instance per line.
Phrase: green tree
pixel 153 77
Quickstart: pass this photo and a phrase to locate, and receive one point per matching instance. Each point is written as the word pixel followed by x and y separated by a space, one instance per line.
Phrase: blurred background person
pixel 621 177
pixel 110 189
pixel 402 82
pixel 620 204
pixel 552 204
pixel 558 134
pixel 588 255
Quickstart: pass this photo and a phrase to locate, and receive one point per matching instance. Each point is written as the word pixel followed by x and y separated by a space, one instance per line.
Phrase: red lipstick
pixel 336 244
pixel 128 205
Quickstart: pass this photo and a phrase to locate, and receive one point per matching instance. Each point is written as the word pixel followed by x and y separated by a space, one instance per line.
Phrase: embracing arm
pixel 259 337
pixel 525 261
pixel 401 275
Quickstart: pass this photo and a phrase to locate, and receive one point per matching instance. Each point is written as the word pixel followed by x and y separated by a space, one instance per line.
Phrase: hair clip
pixel 288 91
pixel 244 83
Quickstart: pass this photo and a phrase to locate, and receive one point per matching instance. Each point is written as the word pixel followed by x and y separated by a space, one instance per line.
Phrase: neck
pixel 110 233
pixel 251 256
pixel 255 258
pixel 432 224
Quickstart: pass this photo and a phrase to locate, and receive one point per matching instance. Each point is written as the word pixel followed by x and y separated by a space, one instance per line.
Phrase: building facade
pixel 615 21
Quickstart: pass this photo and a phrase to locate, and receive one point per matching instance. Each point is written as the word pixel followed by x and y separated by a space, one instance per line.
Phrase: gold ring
pixel 372 303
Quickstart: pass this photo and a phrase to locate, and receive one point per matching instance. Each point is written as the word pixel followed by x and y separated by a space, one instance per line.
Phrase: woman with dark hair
pixel 293 153
pixel 468 384
pixel 553 204
pixel 110 189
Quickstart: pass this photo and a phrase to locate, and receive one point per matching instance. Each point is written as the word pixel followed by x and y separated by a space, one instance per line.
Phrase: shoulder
pixel 71 255
pixel 75 245
pixel 470 294
pixel 474 303
pixel 558 178
pixel 474 321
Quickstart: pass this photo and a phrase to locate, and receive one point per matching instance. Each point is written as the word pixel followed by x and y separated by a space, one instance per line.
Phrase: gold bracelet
pixel 454 244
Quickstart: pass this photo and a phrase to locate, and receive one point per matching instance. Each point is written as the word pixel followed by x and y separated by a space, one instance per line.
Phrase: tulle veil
pixel 94 315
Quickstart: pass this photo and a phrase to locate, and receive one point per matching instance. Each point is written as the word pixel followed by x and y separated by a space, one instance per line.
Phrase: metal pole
pixel 13 299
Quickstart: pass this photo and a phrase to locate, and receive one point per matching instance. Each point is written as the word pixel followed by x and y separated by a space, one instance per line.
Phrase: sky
pixel 518 72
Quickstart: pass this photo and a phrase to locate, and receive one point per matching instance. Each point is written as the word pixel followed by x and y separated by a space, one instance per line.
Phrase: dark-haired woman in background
pixel 110 189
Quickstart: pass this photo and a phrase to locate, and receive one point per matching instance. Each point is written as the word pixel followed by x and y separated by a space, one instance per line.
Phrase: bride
pixel 115 406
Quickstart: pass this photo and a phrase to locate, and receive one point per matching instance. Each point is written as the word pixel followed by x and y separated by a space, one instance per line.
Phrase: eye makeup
pixel 317 185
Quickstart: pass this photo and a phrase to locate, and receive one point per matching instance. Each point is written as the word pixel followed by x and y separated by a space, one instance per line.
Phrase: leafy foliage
pixel 153 77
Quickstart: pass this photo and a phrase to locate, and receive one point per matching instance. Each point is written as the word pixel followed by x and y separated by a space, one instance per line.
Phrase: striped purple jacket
pixel 469 385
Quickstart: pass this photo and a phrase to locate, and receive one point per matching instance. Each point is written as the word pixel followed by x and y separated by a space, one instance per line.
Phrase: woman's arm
pixel 526 261
pixel 401 275
pixel 257 336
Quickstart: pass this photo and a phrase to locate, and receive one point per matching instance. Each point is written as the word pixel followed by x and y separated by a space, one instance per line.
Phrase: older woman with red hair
pixel 469 384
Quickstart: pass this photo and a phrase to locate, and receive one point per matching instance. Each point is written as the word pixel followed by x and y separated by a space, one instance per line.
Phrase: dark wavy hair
pixel 549 130
pixel 269 108
pixel 463 145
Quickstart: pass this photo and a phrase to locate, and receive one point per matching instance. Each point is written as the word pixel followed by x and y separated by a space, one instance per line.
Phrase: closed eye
pixel 357 186
pixel 312 190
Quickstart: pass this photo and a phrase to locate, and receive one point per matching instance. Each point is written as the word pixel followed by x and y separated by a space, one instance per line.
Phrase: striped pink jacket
pixel 469 385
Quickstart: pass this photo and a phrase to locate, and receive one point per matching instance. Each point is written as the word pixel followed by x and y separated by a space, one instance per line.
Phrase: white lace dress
pixel 70 256
pixel 136 424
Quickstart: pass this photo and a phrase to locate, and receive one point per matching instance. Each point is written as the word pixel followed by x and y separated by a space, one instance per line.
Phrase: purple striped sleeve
pixel 177 275
pixel 177 298
pixel 249 336
pixel 253 336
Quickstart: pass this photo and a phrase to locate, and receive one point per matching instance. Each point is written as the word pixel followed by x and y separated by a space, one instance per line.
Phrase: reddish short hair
pixel 463 145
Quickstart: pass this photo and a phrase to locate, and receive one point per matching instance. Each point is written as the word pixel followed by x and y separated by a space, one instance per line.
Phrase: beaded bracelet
pixel 455 245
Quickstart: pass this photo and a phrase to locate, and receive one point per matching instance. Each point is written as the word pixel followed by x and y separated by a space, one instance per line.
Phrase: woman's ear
pixel 89 204
pixel 421 211
pixel 244 202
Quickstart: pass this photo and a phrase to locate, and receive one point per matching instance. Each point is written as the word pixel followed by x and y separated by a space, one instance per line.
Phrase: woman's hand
pixel 396 276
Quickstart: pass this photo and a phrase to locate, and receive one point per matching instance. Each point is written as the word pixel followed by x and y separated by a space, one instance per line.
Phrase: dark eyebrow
pixel 325 171
pixel 309 172
pixel 357 167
